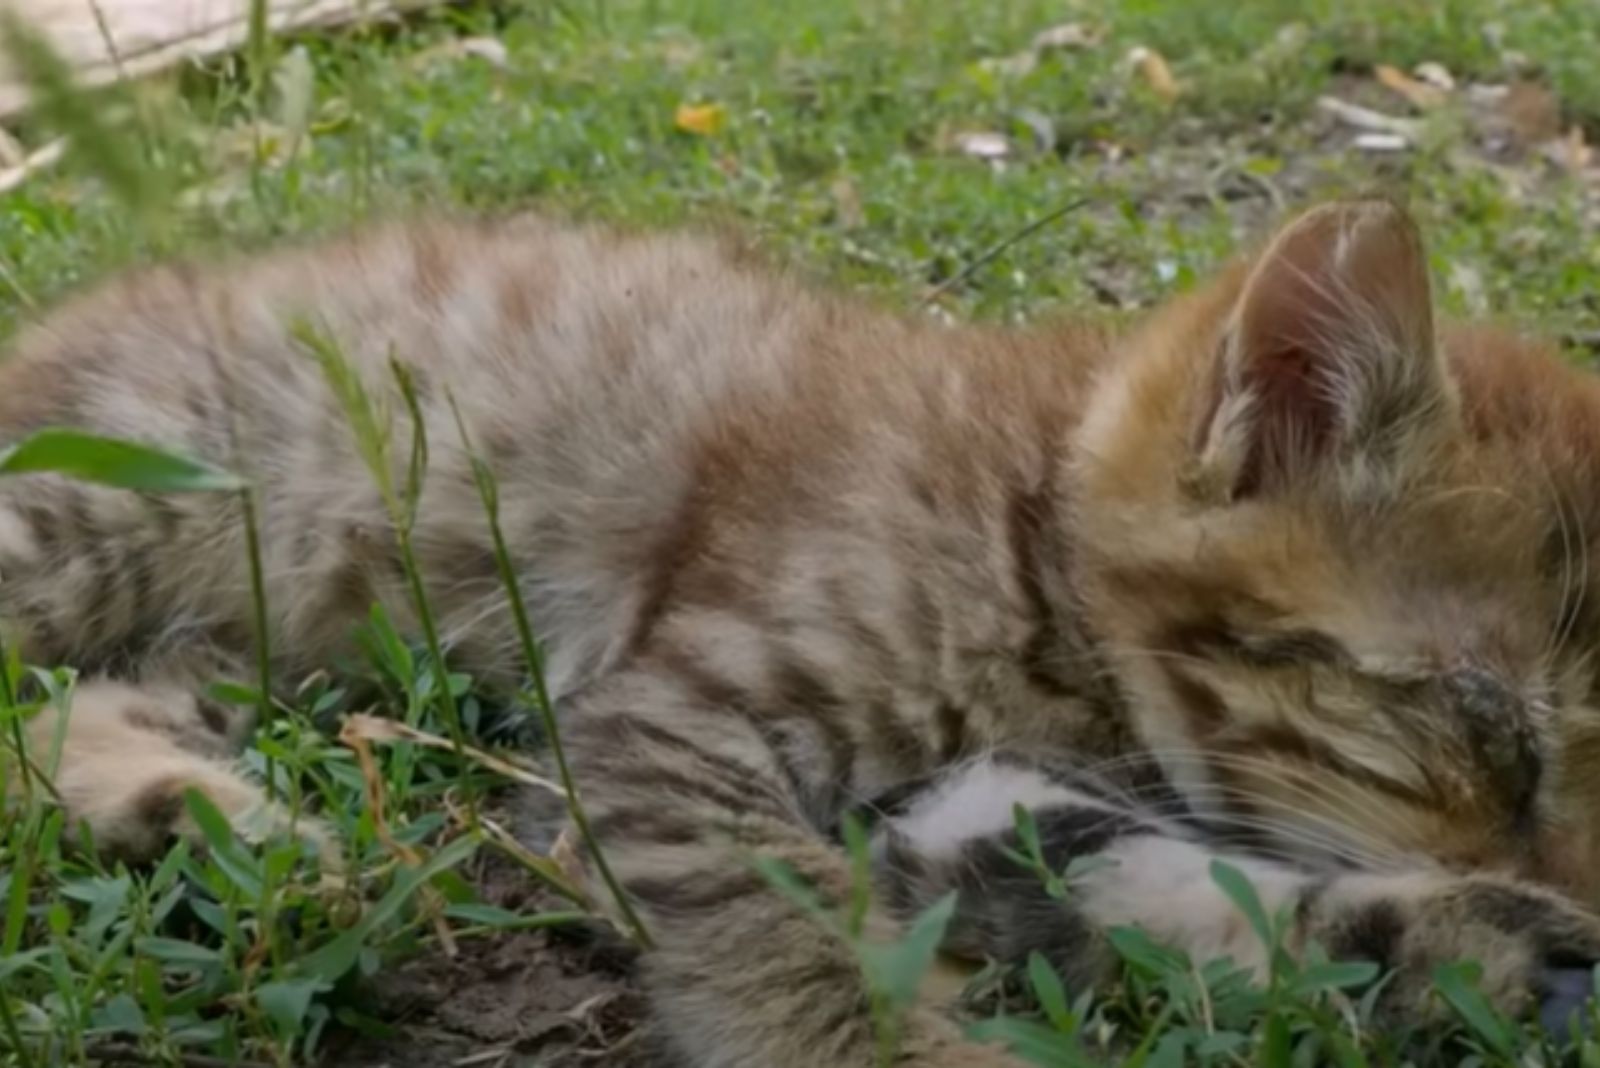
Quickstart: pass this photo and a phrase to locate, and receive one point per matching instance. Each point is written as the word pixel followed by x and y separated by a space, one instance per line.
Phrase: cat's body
pixel 788 553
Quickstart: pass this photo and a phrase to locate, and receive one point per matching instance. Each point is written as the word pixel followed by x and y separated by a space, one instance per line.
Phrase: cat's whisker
pixel 1130 652
pixel 1580 591
pixel 1216 803
pixel 1280 839
pixel 1358 809
pixel 1551 650
pixel 1345 835
pixel 1575 552
pixel 1302 785
pixel 1297 825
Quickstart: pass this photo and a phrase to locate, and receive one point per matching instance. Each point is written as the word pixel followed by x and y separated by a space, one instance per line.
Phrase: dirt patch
pixel 559 998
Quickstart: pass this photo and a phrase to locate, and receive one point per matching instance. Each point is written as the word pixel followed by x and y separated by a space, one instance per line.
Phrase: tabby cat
pixel 1285 574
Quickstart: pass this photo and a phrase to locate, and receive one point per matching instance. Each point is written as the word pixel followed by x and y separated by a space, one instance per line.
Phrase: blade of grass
pixel 257 43
pixel 8 706
pixel 258 61
pixel 57 98
pixel 405 521
pixel 115 53
pixel 489 493
pixel 370 425
pixel 258 598
pixel 8 1021
pixel 114 462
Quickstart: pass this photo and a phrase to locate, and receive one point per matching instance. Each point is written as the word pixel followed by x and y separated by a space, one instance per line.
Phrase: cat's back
pixel 549 310
pixel 644 401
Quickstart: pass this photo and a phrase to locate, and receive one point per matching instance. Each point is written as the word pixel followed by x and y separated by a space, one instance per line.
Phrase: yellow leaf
pixel 704 120
pixel 1419 94
pixel 1152 66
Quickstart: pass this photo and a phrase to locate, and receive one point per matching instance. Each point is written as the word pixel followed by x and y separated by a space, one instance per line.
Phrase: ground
pixel 904 148
pixel 563 997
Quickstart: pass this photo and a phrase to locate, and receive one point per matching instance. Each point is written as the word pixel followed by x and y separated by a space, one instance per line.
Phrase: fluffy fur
pixel 1285 555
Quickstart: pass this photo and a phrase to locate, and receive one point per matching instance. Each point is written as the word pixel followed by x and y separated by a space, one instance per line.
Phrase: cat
pixel 1287 572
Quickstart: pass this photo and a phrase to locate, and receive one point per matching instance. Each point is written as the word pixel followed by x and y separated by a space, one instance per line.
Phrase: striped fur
pixel 1275 553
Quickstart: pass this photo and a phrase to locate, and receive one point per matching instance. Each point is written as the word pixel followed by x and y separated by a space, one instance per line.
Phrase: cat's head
pixel 1339 559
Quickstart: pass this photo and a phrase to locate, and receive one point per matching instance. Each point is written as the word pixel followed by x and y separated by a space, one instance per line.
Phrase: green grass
pixel 834 154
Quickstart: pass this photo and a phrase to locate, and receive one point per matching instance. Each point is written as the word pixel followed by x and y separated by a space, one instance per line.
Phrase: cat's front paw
pixel 117 760
pixel 1536 950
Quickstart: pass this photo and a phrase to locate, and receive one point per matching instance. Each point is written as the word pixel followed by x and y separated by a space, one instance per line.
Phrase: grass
pixel 828 134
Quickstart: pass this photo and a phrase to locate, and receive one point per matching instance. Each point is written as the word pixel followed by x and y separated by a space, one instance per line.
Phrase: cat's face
pixel 1347 610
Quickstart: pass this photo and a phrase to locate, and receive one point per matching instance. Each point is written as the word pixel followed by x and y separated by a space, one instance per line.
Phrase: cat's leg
pixel 121 757
pixel 1135 870
pixel 82 583
pixel 686 784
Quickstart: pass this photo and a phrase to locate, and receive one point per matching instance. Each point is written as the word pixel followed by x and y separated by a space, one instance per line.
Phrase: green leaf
pixel 286 1001
pixel 485 915
pixel 401 664
pixel 227 852
pixel 1345 1052
pixel 855 840
pixel 1141 953
pixel 505 920
pixel 1169 1051
pixel 1221 1044
pixel 176 951
pixel 337 957
pixel 1051 994
pixel 1338 975
pixel 1027 831
pixel 417 468
pixel 17 906
pixel 788 882
pixel 1032 1042
pixel 1275 1052
pixel 1242 892
pixel 231 693
pixel 166 873
pixel 119 1015
pixel 112 462
pixel 1457 984
pixel 897 970
pixel 1079 867
pixel 106 898
pixel 199 1033
pixel 14 963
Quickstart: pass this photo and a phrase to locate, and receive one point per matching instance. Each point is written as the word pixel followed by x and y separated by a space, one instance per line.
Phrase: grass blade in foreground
pixel 113 462
pixel 81 117
pixel 370 424
pixel 489 492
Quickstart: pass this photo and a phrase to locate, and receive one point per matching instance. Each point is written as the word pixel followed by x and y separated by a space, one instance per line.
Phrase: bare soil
pixel 556 998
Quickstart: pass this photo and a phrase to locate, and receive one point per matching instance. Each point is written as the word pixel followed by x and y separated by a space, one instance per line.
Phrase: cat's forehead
pixel 1431 578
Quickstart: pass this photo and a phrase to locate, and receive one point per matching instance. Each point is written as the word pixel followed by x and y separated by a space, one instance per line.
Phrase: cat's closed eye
pixel 1217 638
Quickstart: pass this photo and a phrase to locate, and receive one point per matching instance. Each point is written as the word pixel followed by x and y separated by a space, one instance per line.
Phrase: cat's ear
pixel 1327 365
